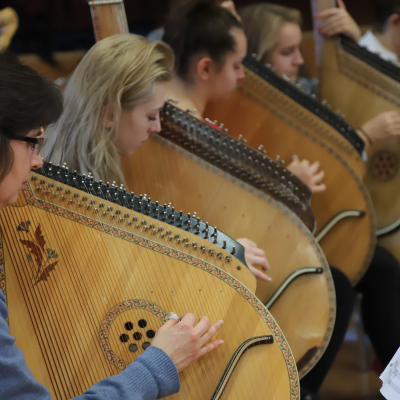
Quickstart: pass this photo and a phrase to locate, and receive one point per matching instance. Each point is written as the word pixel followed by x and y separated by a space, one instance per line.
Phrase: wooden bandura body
pixel 175 165
pixel 270 111
pixel 96 288
pixel 109 18
pixel 362 85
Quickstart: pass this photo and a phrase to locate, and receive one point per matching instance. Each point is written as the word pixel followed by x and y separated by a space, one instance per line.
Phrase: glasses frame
pixel 38 142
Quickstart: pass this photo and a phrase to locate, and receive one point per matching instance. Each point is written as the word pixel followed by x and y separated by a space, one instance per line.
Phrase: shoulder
pixel 370 42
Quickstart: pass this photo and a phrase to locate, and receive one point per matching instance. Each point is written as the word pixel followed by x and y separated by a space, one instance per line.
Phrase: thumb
pixel 341 4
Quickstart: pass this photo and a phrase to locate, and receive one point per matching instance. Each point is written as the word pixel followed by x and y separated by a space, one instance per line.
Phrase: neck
pixel 386 40
pixel 190 96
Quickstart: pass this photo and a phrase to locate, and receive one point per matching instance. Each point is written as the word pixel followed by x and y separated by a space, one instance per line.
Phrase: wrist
pixel 365 137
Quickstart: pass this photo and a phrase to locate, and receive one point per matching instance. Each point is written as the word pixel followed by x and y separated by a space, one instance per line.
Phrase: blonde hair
pixel 119 71
pixel 262 25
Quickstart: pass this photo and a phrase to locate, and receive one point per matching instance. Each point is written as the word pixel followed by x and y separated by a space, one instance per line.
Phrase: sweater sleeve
pixel 151 376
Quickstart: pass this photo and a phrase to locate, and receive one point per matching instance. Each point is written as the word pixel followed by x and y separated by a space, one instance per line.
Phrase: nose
pixel 37 161
pixel 298 60
pixel 240 73
pixel 155 126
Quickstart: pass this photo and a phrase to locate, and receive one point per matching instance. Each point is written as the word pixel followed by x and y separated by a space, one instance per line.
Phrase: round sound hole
pixel 384 165
pixel 128 326
pixel 150 334
pixel 142 323
pixel 128 329
pixel 145 345
pixel 124 338
pixel 133 348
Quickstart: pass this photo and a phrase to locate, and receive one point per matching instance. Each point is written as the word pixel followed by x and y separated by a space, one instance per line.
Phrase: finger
pixel 189 319
pixel 332 23
pixel 295 157
pixel 335 30
pixel 328 13
pixel 169 324
pixel 305 162
pixel 203 325
pixel 314 168
pixel 259 274
pixel 215 327
pixel 260 261
pixel 256 251
pixel 246 242
pixel 318 188
pixel 317 178
pixel 209 347
pixel 341 4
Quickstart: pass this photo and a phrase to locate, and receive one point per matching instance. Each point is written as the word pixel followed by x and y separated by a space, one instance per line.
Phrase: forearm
pixel 152 376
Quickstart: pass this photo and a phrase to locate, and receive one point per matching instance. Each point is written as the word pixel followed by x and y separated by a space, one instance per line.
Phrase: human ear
pixel 204 68
pixel 107 116
pixel 394 21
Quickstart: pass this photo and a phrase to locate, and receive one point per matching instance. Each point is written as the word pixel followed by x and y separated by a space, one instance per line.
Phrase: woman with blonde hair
pixel 111 105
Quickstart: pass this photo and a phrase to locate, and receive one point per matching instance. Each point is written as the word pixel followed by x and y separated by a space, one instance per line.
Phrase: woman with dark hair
pixel 27 103
pixel 209 45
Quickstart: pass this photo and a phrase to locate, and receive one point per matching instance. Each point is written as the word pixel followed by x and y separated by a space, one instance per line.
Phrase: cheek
pixel 10 188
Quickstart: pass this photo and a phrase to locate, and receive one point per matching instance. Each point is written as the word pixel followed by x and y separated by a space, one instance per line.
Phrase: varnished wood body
pixel 264 115
pixel 306 309
pixel 106 274
pixel 361 92
pixel 108 19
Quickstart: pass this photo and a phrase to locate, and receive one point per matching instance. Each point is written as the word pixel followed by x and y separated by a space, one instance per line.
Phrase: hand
pixel 337 20
pixel 184 342
pixel 256 256
pixel 308 174
pixel 230 5
pixel 383 126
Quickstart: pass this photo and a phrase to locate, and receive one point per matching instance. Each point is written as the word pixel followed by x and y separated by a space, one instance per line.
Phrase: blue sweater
pixel 151 376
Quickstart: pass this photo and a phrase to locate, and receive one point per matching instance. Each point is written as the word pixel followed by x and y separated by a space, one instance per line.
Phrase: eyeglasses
pixel 35 144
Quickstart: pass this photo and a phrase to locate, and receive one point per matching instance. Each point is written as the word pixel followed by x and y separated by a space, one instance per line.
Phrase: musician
pixel 274 34
pixel 106 101
pixel 28 102
pixel 383 39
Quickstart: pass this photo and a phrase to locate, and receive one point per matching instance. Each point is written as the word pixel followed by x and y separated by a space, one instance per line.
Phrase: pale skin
pixel 183 341
pixel 338 21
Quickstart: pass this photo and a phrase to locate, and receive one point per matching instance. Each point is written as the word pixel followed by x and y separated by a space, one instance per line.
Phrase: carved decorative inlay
pixel 136 333
pixel 42 259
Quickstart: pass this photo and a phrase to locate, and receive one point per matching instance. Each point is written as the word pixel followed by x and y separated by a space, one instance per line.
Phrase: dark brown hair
pixel 383 9
pixel 27 101
pixel 199 26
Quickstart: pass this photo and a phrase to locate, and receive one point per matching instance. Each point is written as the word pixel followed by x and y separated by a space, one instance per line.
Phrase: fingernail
pixel 221 342
pixel 295 157
pixel 220 323
pixel 269 279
